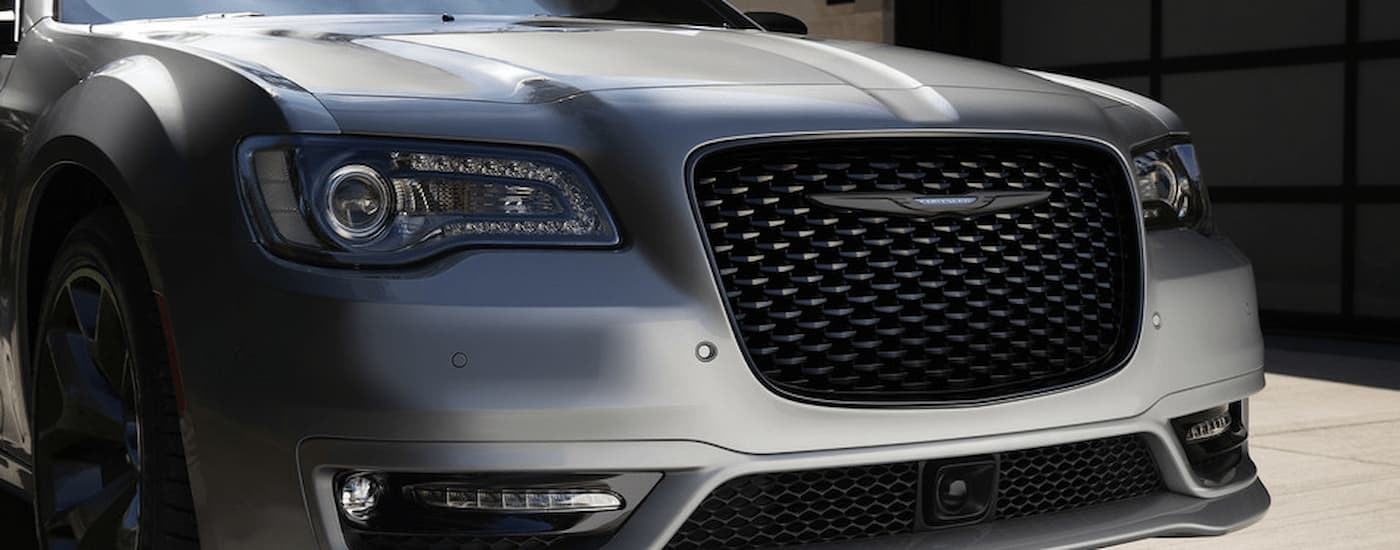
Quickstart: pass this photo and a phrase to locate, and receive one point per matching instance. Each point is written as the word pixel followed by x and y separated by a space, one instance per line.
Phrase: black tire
pixel 106 478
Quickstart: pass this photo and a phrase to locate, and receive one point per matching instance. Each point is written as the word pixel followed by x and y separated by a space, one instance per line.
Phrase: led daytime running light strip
pixel 518 501
pixel 585 221
pixel 1208 429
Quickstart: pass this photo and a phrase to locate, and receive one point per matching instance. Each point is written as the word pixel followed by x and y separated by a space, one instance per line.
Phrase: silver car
pixel 579 274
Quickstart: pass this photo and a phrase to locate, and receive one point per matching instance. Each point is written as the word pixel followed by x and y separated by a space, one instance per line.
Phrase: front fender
pixel 159 128
pixel 160 137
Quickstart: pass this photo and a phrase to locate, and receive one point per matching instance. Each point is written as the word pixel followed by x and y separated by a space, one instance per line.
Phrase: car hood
pixel 539 60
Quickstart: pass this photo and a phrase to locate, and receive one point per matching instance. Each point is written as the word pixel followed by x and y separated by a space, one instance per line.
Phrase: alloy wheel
pixel 87 421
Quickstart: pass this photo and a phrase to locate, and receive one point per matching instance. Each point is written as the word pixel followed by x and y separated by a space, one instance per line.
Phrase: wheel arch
pixel 123 126
pixel 145 127
pixel 78 181
pixel 67 192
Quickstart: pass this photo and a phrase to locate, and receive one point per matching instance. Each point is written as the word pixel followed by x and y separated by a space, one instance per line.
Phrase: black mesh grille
pixel 378 541
pixel 783 509
pixel 794 508
pixel 1054 479
pixel 842 305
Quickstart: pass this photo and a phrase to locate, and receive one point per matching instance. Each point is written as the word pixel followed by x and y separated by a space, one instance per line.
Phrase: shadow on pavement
pixel 1358 363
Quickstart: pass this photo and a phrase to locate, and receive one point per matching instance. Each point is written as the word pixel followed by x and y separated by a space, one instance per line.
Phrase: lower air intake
pixel 378 541
pixel 842 504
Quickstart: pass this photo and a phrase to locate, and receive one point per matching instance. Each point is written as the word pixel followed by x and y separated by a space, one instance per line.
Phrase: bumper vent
pixel 860 306
pixel 375 541
pixel 842 504
pixel 772 510
pixel 1078 475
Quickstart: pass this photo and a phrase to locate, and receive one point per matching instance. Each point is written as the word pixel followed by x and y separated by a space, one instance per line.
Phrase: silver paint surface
pixel 580 359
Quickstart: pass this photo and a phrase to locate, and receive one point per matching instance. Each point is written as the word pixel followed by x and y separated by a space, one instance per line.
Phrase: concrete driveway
pixel 1326 434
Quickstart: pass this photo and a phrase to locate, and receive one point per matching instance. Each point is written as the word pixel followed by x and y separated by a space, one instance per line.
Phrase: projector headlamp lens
pixel 1170 187
pixel 358 203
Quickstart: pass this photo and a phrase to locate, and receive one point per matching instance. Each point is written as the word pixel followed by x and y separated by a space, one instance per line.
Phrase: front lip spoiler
pixel 1161 515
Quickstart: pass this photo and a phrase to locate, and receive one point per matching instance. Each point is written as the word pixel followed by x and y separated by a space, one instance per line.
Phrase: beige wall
pixel 869 20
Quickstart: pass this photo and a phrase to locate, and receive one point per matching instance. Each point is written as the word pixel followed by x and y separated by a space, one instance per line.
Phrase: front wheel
pixel 109 462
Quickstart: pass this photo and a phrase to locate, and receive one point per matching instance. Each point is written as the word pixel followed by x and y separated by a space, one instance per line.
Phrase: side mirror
pixel 778 22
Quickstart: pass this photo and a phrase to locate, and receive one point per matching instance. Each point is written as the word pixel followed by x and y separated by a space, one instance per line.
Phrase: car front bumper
pixel 692 470
pixel 295 372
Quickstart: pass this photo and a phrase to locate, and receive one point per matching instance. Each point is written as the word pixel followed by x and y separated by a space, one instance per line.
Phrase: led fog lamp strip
pixel 516 501
pixel 1208 429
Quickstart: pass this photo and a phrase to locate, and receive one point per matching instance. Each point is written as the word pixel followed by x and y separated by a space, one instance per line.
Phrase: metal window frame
pixel 19 16
pixel 28 13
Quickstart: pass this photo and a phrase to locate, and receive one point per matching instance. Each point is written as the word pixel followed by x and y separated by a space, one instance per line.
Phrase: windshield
pixel 712 13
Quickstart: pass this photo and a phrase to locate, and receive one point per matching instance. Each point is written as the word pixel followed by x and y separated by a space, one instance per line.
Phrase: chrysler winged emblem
pixel 931 206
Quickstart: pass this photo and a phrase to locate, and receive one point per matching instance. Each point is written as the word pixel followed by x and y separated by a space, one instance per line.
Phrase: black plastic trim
pixel 1138 238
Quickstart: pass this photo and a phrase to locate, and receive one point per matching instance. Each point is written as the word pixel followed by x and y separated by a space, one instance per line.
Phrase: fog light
pixel 1214 441
pixel 518 501
pixel 1209 428
pixel 359 496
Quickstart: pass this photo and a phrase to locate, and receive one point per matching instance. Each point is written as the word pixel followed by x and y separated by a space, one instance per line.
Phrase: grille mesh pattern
pixel 794 508
pixel 375 541
pixel 1054 479
pixel 784 509
pixel 846 305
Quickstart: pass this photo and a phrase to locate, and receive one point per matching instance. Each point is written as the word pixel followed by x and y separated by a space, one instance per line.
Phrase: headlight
pixel 356 201
pixel 1169 184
